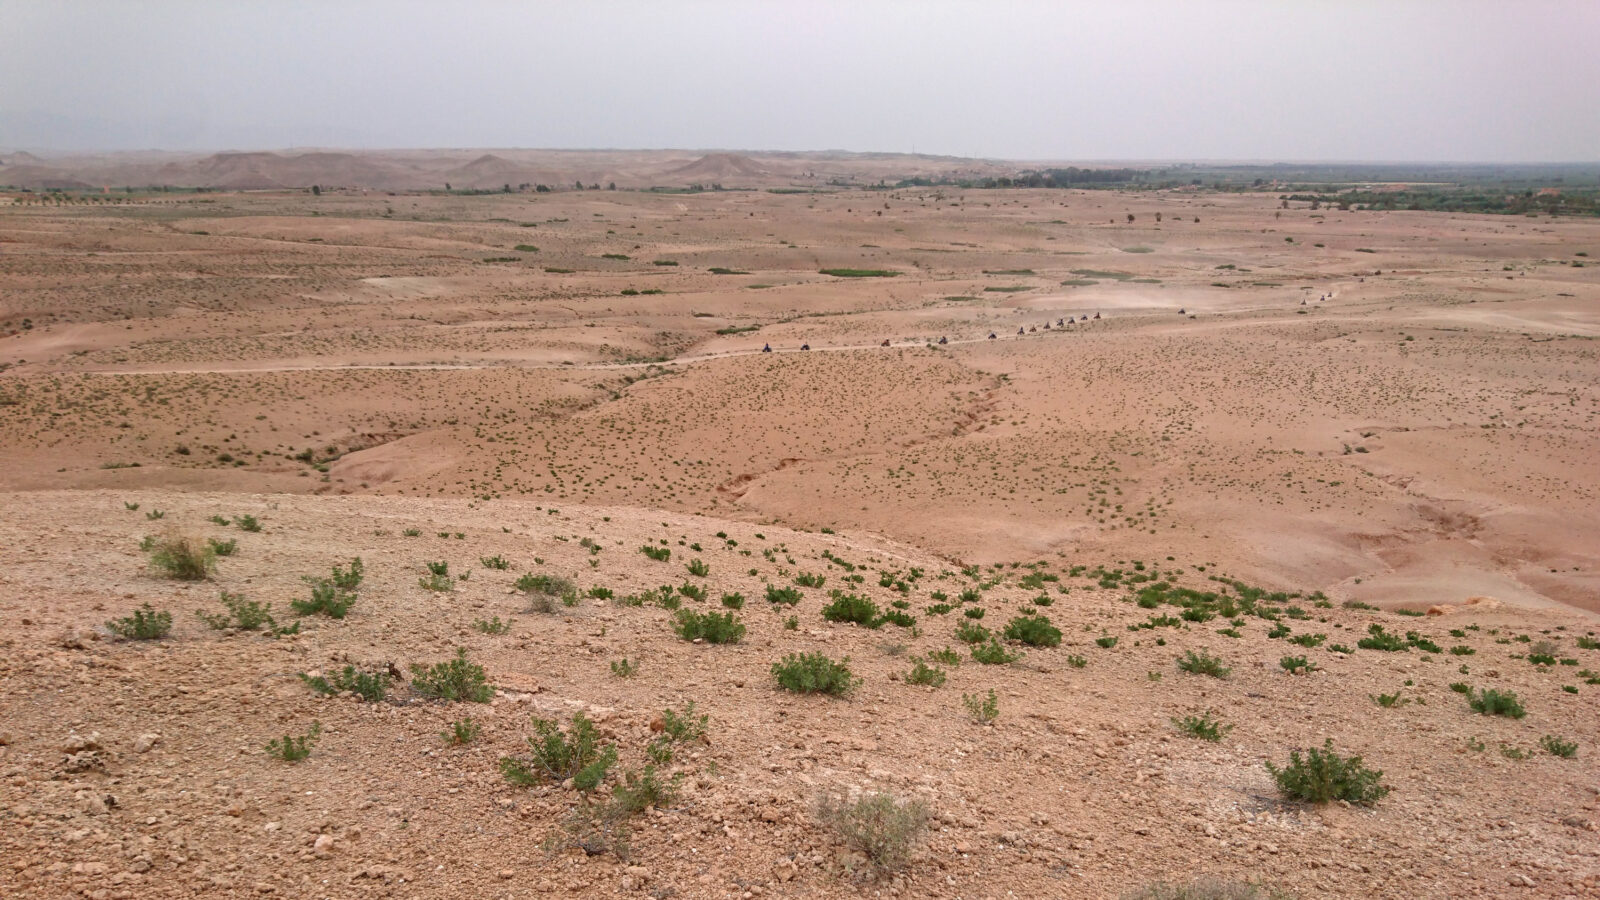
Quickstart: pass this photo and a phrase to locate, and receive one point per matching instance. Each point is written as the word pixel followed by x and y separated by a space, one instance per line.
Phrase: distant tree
pixel 316 190
pixel 1158 217
pixel 541 189
pixel 447 185
pixel 1130 218
pixel 612 186
pixel 579 185
pixel 506 189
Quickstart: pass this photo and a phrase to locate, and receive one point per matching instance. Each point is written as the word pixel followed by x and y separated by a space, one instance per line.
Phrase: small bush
pixel 1035 631
pixel 1203 663
pixel 786 596
pixel 369 686
pixel 946 657
pixel 454 680
pixel 1077 661
pixel 814 673
pixel 461 732
pixel 1378 639
pixel 1562 748
pixel 222 548
pixel 698 568
pixel 851 608
pixel 1389 701
pixel 623 668
pixel 495 562
pixel 245 615
pixel 659 554
pixel 881 827
pixel 182 558
pixel 1323 776
pixel 247 523
pixel 981 709
pixel 558 755
pixel 492 626
pixel 923 674
pixel 348 579
pixel 972 633
pixel 1296 665
pixel 994 654
pixel 713 628
pixel 146 624
pixel 1203 727
pixel 290 748
pixel 1497 703
pixel 810 580
pixel 544 592
pixel 733 601
pixel 1106 643
pixel 641 791
pixel 326 598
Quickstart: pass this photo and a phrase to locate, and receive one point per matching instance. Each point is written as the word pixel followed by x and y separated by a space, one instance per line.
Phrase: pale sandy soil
pixel 1405 427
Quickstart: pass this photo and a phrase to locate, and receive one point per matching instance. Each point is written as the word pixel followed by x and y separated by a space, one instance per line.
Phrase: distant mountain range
pixel 473 169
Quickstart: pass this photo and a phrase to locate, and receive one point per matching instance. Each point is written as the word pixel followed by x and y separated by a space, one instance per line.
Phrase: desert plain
pixel 963 405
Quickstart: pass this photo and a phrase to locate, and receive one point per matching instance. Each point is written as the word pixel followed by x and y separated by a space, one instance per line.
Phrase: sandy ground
pixel 1394 409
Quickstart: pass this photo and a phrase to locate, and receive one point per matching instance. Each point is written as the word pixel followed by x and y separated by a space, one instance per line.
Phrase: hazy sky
pixel 1460 80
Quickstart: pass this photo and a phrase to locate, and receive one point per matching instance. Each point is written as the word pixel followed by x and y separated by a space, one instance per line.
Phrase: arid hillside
pixel 1189 480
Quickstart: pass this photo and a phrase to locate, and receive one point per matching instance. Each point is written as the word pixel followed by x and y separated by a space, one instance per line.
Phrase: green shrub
pixel 1106 643
pixel 370 686
pixel 923 674
pixel 1077 661
pixel 462 731
pixel 1389 701
pixel 859 273
pixel 786 596
pixel 1035 631
pixel 1562 748
pixel 641 791
pixel 814 673
pixel 624 669
pixel 559 755
pixel 454 680
pixel 1322 776
pixel 547 593
pixel 247 523
pixel 492 626
pixel 807 579
pixel 659 554
pixel 1296 665
pixel 1203 663
pixel 881 827
pixel 1460 687
pixel 1308 640
pixel 182 558
pixel 894 617
pixel 326 598
pixel 698 568
pixel 146 624
pixel 245 615
pixel 733 601
pixel 851 608
pixel 496 562
pixel 348 579
pixel 1203 726
pixel 946 657
pixel 1378 639
pixel 1497 703
pixel 972 633
pixel 290 748
pixel 222 548
pixel 713 628
pixel 994 654
pixel 981 709
pixel 973 612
